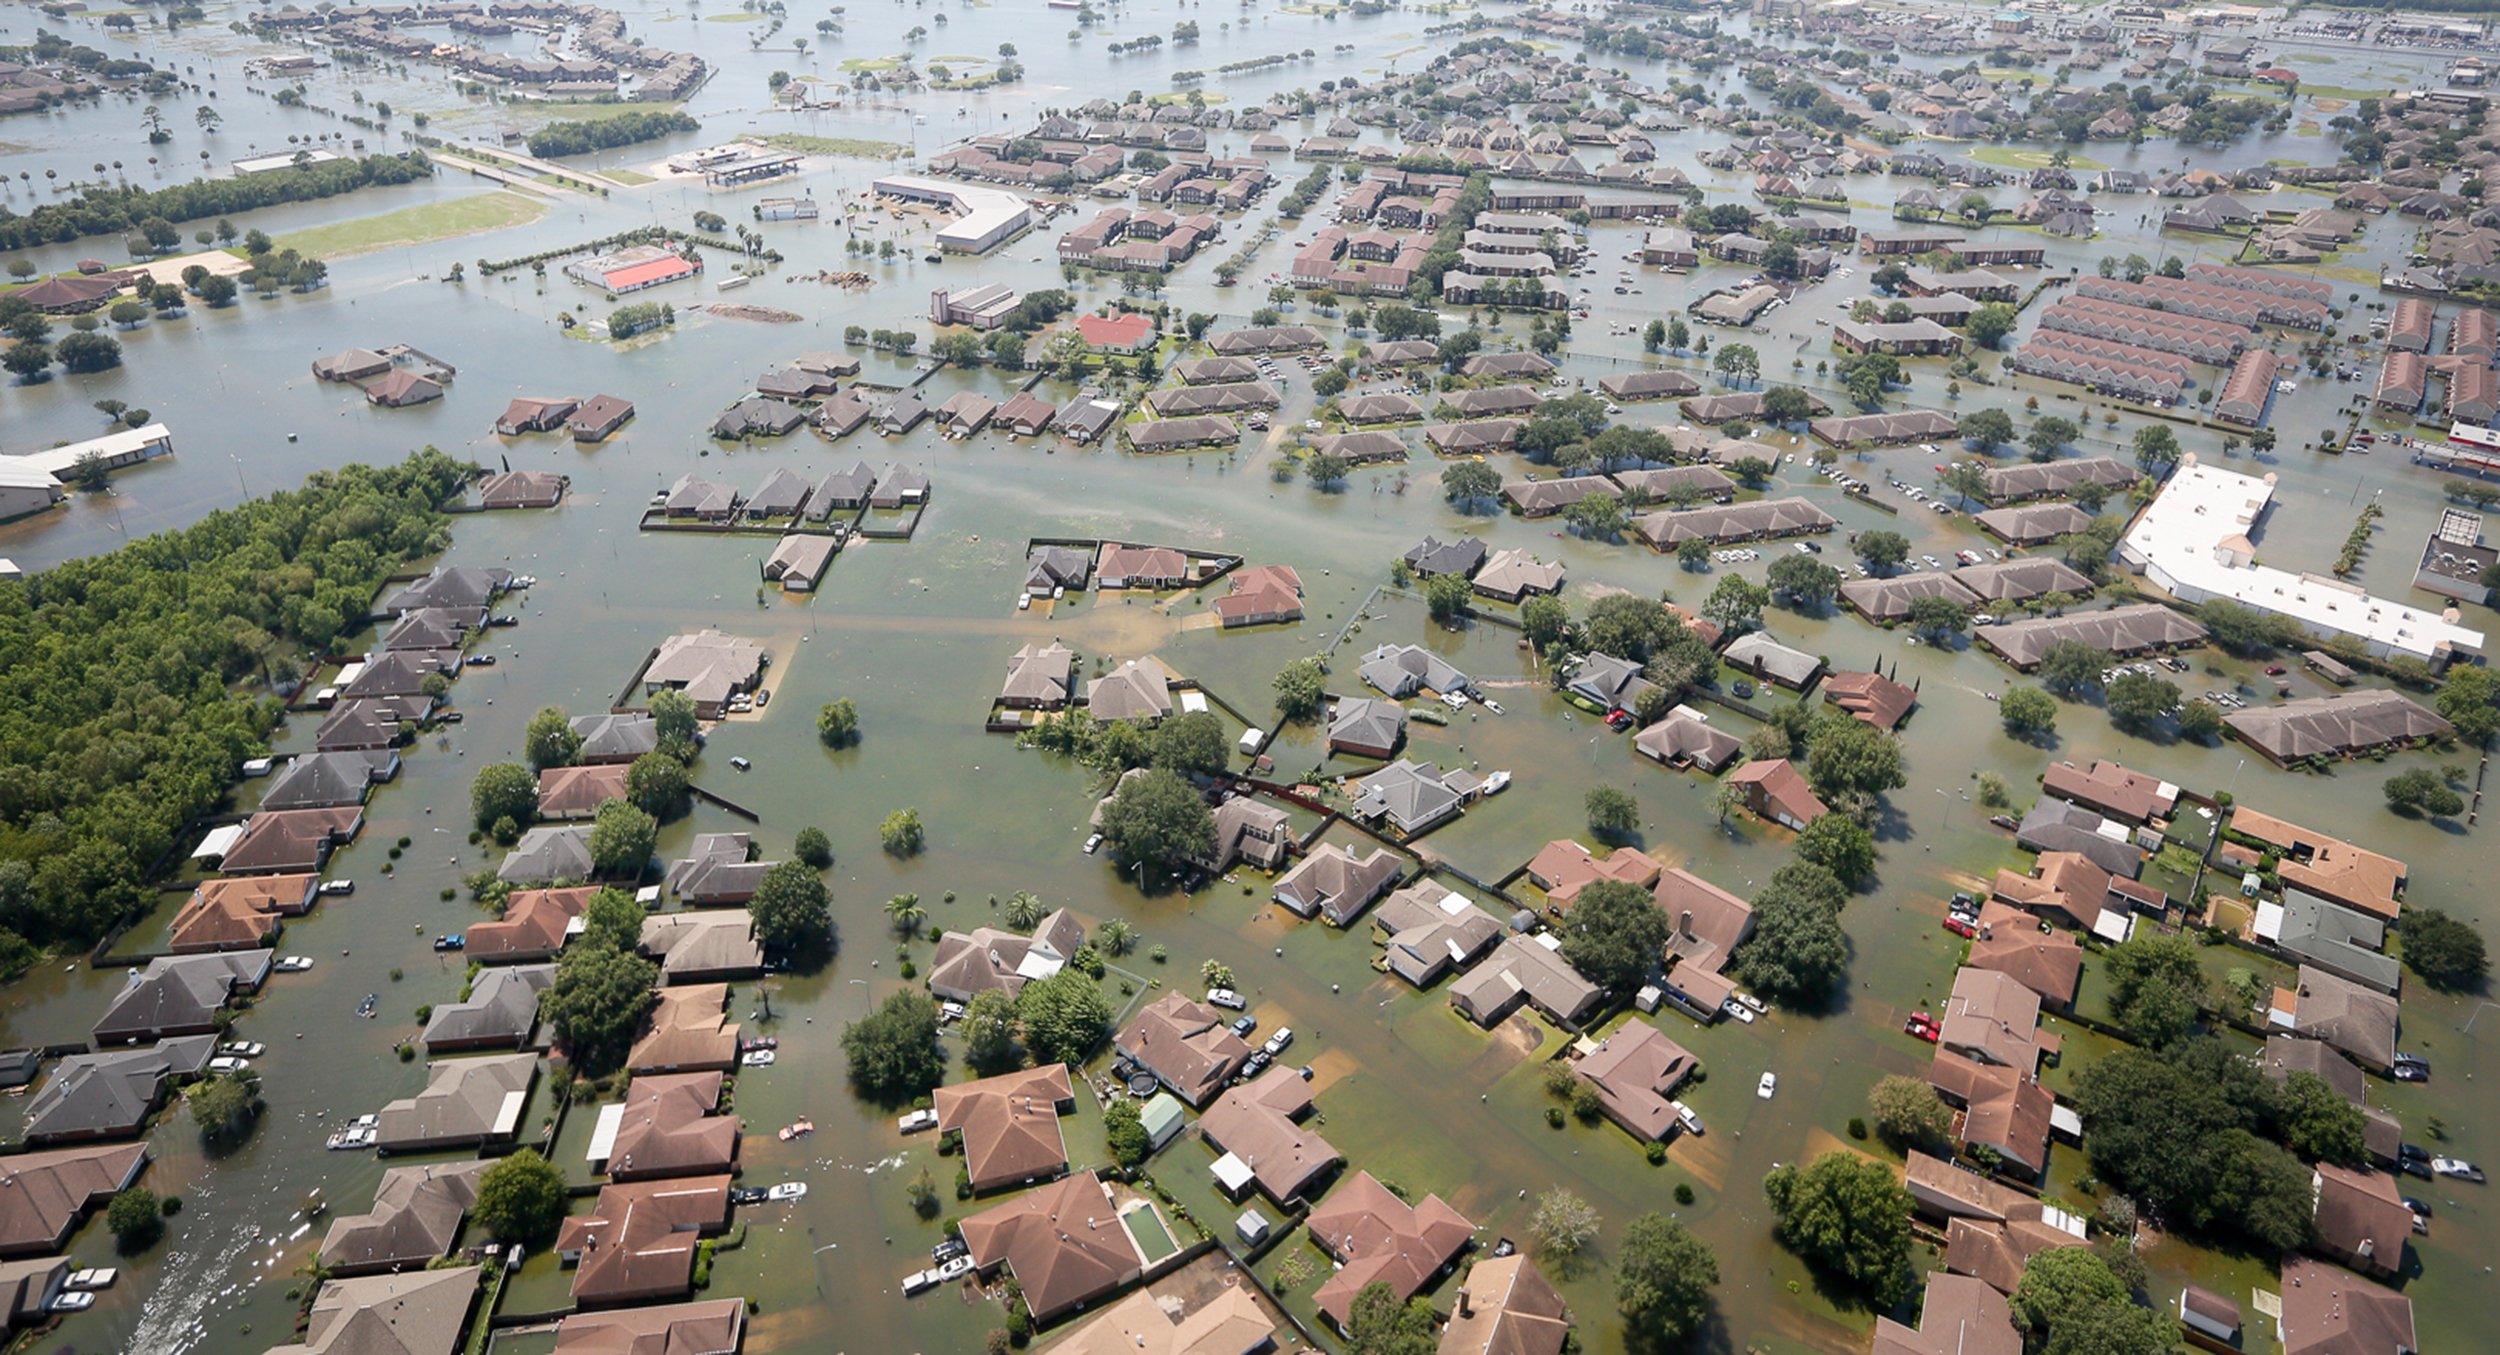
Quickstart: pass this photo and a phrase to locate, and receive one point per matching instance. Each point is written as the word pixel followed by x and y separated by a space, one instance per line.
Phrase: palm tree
pixel 1115 938
pixel 905 912
pixel 1024 910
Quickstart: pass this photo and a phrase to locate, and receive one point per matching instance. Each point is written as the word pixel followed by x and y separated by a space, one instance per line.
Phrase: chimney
pixel 1685 922
pixel 1465 1309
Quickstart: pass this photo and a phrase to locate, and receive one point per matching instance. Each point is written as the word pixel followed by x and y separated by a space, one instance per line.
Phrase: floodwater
pixel 918 634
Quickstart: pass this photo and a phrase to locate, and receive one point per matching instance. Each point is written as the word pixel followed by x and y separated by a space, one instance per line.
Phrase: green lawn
pixel 626 177
pixel 583 112
pixel 871 63
pixel 416 225
pixel 2011 157
pixel 855 147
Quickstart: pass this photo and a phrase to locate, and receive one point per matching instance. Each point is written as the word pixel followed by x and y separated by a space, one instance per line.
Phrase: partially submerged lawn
pixel 416 225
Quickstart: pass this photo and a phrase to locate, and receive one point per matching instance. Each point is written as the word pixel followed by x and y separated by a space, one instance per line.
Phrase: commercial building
pixel 986 217
pixel 2195 540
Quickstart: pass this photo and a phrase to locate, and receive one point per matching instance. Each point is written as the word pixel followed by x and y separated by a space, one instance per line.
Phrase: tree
pixel 2314 1120
pixel 1191 743
pixel 656 784
pixel 1326 468
pixel 504 792
pixel 1737 363
pixel 1654 337
pixel 2199 722
pixel 2420 791
pixel 1562 1225
pixel 1735 604
pixel 901 832
pixel 27 359
pixel 2028 712
pixel 1469 481
pixel 2140 700
pixel 1301 689
pixel 1613 814
pixel 128 313
pixel 1381 1324
pixel 2071 1303
pixel 1967 479
pixel 905 912
pixel 1841 845
pixel 551 741
pixel 837 724
pixel 1909 1114
pixel 1125 1132
pixel 1599 517
pixel 1786 405
pixel 2156 987
pixel 1989 324
pixel 990 1034
pixel 1987 429
pixel 622 839
pixel 1445 596
pixel 1847 755
pixel 2468 698
pixel 813 847
pixel 1808 583
pixel 792 911
pixel 1159 820
pixel 613 917
pixel 893 1051
pixel 1066 1016
pixel 1846 1217
pixel 216 289
pixel 2049 435
pixel 1753 472
pixel 1663 1278
pixel 224 1107
pixel 1937 617
pixel 1544 620
pixel 2070 668
pixel 1692 552
pixel 1024 911
pixel 596 1004
pixel 1798 953
pixel 137 1218
pixel 672 717
pixel 2156 448
pixel 2444 950
pixel 88 352
pixel 1882 550
pixel 520 1199
pixel 1614 934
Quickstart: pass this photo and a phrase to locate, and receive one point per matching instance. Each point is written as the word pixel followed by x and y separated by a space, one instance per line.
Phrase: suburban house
pixel 240 912
pixel 1258 1128
pixel 420 1313
pixel 1337 885
pixel 1366 726
pixel 52 1191
pixel 618 736
pixel 1525 969
pixel 1613 683
pixel 111 1094
pixel 500 1011
pixel 179 995
pixel 1248 830
pixel 708 667
pixel 1039 678
pixel 991 958
pixel 717 871
pixel 1261 595
pixel 1189 1046
pixel 1871 697
pixel 547 854
pixel 577 792
pixel 1635 1073
pixel 2352 1017
pixel 466 1103
pixel 1064 1243
pixel 1706 925
pixel 1009 1125
pixel 1684 739
pixel 1771 661
pixel 1507 1307
pixel 1959 1316
pixel 2327 1310
pixel 1401 671
pixel 1775 790
pixel 2362 1219
pixel 535 926
pixel 1378 1238
pixel 1563 867
pixel 639 1242
pixel 689 1032
pixel 702 947
pixel 1412 796
pixel 1432 930
pixel 1514 575
pixel 1140 690
pixel 1991 1229
pixel 415 1220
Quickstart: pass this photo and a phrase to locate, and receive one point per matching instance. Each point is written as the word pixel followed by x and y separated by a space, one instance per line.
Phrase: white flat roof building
pixel 988 215
pixel 2195 540
pixel 127 447
pixel 278 160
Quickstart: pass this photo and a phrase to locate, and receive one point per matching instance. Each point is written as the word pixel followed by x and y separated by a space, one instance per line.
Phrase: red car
pixel 1960 927
pixel 1923 1026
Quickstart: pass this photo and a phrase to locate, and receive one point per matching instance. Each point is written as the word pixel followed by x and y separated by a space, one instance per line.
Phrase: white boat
pixel 1490 704
pixel 94 1277
pixel 1496 783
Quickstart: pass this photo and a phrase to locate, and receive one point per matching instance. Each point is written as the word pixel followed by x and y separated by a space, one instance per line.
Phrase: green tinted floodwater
pixel 918 635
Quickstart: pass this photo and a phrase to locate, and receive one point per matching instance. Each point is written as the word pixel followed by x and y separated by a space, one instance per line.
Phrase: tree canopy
pixel 1157 819
pixel 520 1199
pixel 893 1051
pixel 1849 1219
pixel 792 911
pixel 1066 1016
pixel 1663 1278
pixel 596 1004
pixel 1614 934
pixel 139 675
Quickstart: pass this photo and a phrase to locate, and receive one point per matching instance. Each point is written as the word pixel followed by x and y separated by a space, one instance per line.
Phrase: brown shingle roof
pixel 1009 1123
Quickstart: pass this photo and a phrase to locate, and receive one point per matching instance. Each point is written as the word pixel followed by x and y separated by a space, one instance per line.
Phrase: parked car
pixel 292 964
pixel 226 1063
pixel 338 887
pixel 75 1301
pixel 93 1277
pixel 1225 998
pixel 2457 1167
pixel 747 1195
pixel 1278 1042
pixel 451 941
pixel 1684 1116
pixel 243 1049
pixel 786 1191
pixel 1093 844
pixel 1244 1025
pixel 1769 1084
pixel 758 1058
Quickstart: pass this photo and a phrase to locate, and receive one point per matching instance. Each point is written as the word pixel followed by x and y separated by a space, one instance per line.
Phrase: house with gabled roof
pixel 415 1220
pixel 1063 1243
pixel 1008 1125
pixel 1378 1238
pixel 1188 1046
pixel 1337 885
pixel 639 1242
pixel 110 1094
